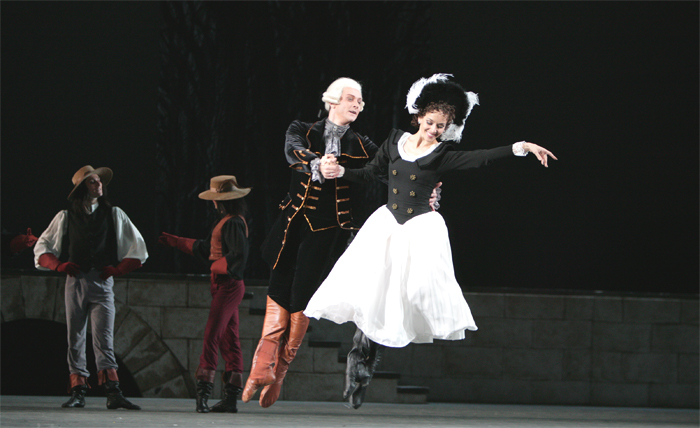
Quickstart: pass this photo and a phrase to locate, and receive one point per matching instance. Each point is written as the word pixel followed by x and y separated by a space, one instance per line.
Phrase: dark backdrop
pixel 169 94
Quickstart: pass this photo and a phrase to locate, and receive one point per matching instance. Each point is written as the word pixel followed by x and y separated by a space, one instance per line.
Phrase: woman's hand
pixel 540 152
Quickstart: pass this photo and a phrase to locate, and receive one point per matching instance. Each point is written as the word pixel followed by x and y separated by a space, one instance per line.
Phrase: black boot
pixel 77 396
pixel 115 399
pixel 228 404
pixel 204 389
pixel 361 363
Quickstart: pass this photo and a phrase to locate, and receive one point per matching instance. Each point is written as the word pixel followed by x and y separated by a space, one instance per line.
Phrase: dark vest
pixel 90 241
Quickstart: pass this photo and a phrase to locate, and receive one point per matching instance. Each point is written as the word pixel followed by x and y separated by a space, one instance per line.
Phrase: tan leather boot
pixel 297 329
pixel 262 371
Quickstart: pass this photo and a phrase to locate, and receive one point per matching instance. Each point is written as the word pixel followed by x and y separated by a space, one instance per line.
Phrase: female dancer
pixel 396 280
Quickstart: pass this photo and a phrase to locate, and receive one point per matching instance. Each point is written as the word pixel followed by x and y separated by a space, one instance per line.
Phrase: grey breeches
pixel 89 296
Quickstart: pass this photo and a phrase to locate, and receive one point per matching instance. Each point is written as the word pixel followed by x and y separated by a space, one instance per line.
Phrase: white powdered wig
pixel 453 132
pixel 335 91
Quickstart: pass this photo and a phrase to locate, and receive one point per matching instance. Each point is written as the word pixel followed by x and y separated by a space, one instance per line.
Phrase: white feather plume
pixel 454 132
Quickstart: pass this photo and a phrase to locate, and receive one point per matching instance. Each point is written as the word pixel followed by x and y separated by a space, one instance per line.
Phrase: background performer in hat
pixel 91 242
pixel 396 280
pixel 225 250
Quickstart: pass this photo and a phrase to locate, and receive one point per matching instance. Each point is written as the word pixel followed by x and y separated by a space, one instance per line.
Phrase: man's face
pixel 347 110
pixel 94 186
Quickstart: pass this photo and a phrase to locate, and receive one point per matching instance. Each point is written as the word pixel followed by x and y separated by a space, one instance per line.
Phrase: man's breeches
pixel 221 332
pixel 89 296
pixel 305 262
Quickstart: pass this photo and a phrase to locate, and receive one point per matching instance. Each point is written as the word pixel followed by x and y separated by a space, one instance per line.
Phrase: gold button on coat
pixel 394 172
pixel 412 193
pixel 413 176
pixel 396 191
pixel 410 210
pixel 394 206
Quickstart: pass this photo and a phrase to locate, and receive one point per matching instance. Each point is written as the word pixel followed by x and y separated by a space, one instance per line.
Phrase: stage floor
pixel 42 412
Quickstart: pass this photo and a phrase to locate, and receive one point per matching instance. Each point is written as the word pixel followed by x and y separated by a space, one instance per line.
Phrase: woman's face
pixel 432 125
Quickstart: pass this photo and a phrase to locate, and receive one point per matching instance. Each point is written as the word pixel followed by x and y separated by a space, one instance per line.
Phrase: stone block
pixel 689 311
pixel 675 338
pixel 401 360
pixel 534 306
pixel 621 337
pixel 145 352
pixel 407 395
pixel 651 367
pixel 194 351
pixel 566 334
pixel 121 312
pixel 121 289
pixel 174 388
pixel 129 333
pixel 150 315
pixel 641 310
pixel 533 364
pixel 12 299
pixel 606 367
pixel 381 391
pixel 153 293
pixel 179 348
pixel 250 326
pixel 330 331
pixel 608 309
pixel 60 303
pixel 561 393
pixel 501 332
pixel 432 359
pixel 470 362
pixel 619 394
pixel 577 365
pixel 579 307
pixel 248 350
pixel 184 323
pixel 158 372
pixel 198 294
pixel 491 391
pixel 313 387
pixel 305 358
pixel 674 395
pixel 325 360
pixel 486 305
pixel 40 296
pixel 688 369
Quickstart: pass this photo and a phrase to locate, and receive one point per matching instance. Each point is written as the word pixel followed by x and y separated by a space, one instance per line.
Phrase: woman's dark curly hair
pixel 440 106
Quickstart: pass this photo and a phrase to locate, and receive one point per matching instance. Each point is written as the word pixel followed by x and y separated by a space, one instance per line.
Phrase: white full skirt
pixel 396 283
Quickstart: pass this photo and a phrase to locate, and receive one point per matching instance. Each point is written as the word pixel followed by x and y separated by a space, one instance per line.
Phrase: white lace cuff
pixel 315 173
pixel 342 171
pixel 518 149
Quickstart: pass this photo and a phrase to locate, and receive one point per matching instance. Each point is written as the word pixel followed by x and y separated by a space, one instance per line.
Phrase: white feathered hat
pixel 438 88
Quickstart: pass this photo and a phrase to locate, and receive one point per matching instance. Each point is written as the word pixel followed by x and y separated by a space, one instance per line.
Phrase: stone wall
pixel 531 348
pixel 598 350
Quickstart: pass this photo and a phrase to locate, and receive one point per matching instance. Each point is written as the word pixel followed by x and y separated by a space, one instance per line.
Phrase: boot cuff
pixel 107 374
pixel 205 374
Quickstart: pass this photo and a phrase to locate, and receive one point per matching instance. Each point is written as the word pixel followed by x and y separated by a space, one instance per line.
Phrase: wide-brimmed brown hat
pixel 224 187
pixel 104 173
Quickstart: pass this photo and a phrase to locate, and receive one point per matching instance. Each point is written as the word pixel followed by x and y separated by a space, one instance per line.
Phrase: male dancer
pixel 91 242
